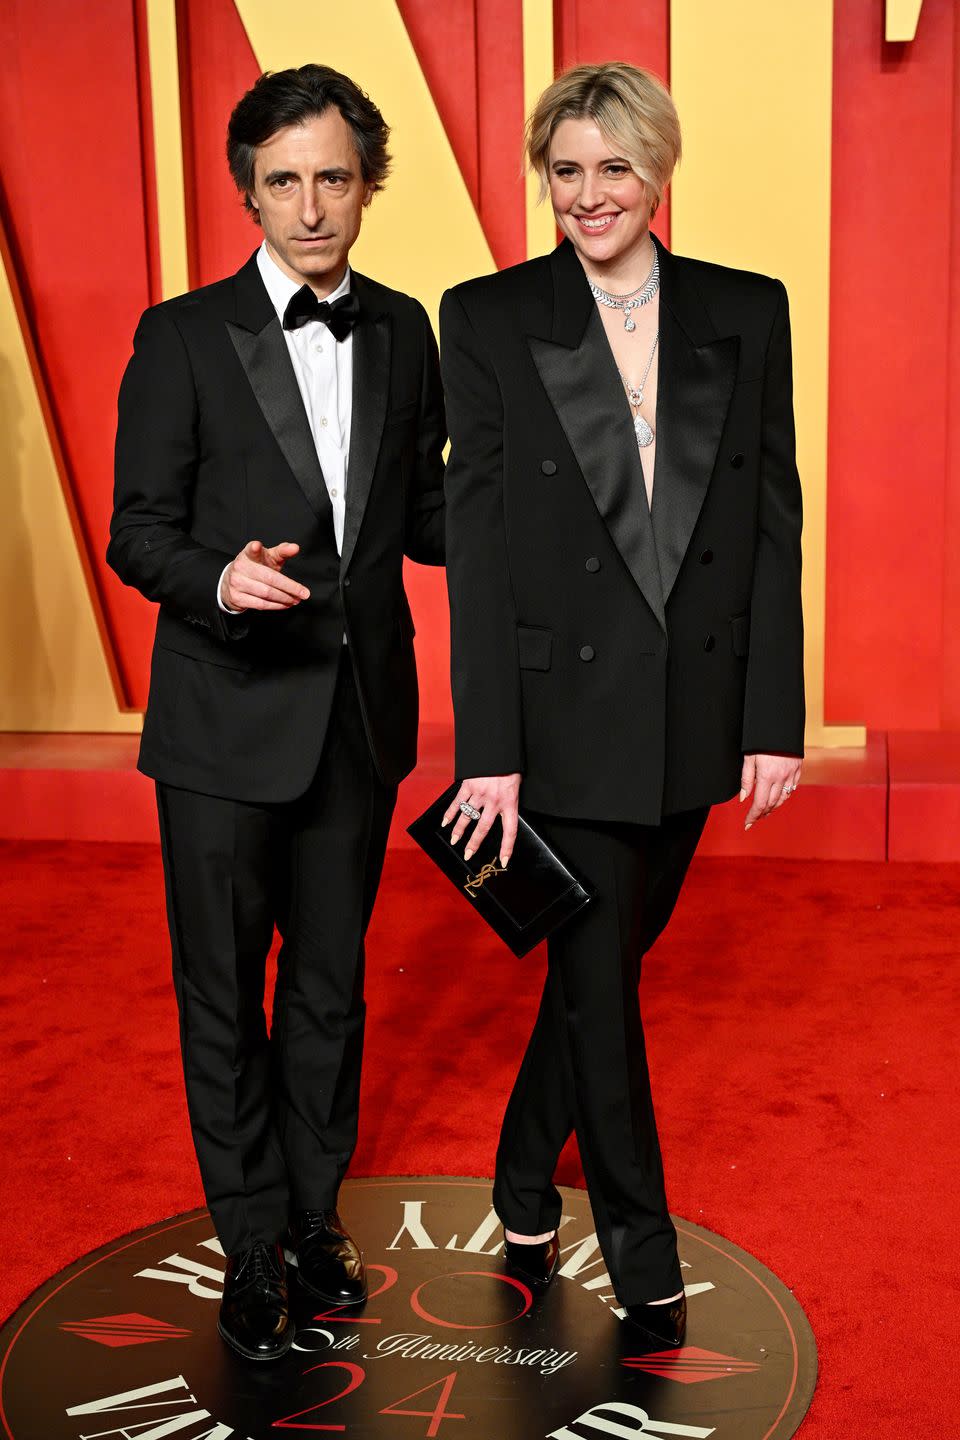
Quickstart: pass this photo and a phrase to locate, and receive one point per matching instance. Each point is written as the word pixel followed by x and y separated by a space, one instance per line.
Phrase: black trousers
pixel 274 1116
pixel 585 1067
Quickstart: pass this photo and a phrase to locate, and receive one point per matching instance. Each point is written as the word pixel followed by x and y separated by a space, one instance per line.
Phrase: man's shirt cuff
pixel 225 608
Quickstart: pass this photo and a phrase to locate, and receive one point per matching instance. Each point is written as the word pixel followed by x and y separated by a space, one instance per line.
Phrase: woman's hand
pixel 491 795
pixel 771 779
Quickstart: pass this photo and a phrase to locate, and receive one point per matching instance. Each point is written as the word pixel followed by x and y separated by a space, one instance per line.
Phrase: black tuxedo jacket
pixel 213 450
pixel 623 661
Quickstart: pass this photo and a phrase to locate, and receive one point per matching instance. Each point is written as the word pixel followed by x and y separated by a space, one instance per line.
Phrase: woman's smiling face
pixel 599 200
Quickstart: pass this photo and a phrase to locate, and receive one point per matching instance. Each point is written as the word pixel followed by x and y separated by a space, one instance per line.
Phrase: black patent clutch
pixel 524 903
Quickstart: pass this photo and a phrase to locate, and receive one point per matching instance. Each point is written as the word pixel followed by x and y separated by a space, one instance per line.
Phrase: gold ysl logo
pixel 477 882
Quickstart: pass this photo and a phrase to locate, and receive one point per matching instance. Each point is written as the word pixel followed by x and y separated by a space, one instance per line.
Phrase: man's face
pixel 310 195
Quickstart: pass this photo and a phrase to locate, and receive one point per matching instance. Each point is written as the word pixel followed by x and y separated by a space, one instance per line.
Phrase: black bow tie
pixel 339 316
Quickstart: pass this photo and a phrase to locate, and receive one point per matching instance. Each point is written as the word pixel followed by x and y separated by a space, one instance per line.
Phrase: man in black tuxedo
pixel 278 453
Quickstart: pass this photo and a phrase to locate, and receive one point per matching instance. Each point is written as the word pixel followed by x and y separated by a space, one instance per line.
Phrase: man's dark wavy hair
pixel 291 97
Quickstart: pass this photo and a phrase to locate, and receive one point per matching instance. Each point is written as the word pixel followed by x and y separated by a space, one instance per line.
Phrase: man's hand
pixel 492 795
pixel 254 581
pixel 771 779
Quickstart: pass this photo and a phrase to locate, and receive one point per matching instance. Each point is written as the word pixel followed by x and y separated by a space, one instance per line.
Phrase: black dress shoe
pixel 329 1262
pixel 254 1312
pixel 534 1263
pixel 663 1326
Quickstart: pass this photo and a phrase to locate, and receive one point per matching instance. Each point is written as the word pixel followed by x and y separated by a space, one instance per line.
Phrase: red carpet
pixel 801 1021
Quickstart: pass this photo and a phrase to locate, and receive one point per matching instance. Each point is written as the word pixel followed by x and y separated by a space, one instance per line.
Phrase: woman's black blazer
pixel 622 660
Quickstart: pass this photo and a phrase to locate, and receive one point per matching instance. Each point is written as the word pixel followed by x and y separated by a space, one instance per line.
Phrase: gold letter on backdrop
pixel 422 233
pixel 368 41
pixel 901 19
pixel 537 75
pixel 167 145
pixel 54 673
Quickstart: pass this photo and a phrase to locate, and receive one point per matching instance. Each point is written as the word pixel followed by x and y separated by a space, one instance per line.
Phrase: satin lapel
pixel 695 385
pixel 262 351
pixel 585 391
pixel 371 386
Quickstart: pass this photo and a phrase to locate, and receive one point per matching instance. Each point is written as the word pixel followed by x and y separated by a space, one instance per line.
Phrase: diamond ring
pixel 469 810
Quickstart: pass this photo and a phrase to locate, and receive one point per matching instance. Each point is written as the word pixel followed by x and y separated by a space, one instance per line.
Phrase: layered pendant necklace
pixel 628 303
pixel 641 429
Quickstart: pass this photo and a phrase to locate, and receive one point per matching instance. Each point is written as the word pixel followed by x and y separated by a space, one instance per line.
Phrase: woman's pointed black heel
pixel 663 1325
pixel 536 1263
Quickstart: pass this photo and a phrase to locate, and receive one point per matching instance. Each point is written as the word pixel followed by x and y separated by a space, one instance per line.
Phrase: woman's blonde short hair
pixel 632 108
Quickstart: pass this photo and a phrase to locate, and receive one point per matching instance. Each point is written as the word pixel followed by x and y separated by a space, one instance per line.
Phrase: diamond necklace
pixel 636 298
pixel 635 395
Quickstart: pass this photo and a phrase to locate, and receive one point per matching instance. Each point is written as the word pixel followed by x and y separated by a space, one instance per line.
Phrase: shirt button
pixel 323 419
pixel 706 558
pixel 334 494
pixel 319 349
pixel 587 652
pixel 593 565
pixel 548 467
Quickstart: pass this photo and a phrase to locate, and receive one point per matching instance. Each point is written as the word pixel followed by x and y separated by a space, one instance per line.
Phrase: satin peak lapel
pixel 262 351
pixel 698 372
pixel 372 337
pixel 587 394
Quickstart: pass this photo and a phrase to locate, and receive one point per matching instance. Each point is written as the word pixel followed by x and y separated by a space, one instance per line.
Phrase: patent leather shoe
pixel 537 1264
pixel 254 1312
pixel 663 1326
pixel 329 1263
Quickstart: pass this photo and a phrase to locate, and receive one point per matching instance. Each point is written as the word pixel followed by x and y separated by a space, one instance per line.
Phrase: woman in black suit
pixel 623 552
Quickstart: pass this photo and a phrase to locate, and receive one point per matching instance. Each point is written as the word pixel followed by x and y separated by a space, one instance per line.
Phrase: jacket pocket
pixel 403 413
pixel 183 639
pixel 740 635
pixel 535 647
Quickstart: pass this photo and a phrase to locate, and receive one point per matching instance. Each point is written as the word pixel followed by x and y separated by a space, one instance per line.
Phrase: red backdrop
pixel 77 197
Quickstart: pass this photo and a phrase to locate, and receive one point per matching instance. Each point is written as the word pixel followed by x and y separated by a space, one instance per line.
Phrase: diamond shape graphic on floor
pixel 118 1330
pixel 691 1365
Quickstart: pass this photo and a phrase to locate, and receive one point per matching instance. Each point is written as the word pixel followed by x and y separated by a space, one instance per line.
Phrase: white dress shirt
pixel 323 367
